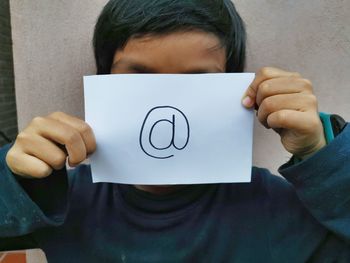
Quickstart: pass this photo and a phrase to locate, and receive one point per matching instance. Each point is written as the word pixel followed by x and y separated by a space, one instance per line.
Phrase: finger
pixel 42 149
pixel 285 85
pixel 303 122
pixel 81 126
pixel 296 101
pixel 63 134
pixel 263 74
pixel 28 166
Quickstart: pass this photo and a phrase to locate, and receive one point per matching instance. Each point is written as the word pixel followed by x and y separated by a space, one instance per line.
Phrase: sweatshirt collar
pixel 163 203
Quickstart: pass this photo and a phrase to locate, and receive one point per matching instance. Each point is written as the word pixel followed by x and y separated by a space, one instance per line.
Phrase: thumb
pixel 263 74
pixel 248 99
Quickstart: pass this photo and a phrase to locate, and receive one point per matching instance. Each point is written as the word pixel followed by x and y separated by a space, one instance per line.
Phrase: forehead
pixel 174 52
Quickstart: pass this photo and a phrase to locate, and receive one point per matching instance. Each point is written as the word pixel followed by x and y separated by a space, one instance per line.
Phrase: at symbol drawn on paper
pixel 166 118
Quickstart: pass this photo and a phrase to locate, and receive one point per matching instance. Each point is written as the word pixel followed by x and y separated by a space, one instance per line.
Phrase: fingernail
pixel 247 102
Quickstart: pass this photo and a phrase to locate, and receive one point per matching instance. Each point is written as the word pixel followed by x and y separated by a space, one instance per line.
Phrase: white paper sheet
pixel 170 129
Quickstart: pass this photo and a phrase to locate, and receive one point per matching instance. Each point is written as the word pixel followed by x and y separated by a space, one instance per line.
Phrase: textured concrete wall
pixel 8 116
pixel 311 37
pixel 52 52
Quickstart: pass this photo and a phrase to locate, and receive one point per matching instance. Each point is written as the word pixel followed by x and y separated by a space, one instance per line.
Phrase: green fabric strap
pixel 327 126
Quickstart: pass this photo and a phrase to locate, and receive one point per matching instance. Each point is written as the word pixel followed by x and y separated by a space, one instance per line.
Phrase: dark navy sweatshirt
pixel 303 217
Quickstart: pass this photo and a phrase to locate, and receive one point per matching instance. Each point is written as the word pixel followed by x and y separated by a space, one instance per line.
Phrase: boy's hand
pixel 46 143
pixel 285 103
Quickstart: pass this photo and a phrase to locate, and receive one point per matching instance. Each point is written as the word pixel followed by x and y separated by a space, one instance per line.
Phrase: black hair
pixel 122 19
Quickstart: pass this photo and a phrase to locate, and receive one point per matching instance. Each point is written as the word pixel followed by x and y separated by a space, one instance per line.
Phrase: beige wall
pixel 312 37
pixel 52 52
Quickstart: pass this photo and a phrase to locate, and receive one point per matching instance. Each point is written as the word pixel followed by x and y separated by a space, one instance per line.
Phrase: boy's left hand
pixel 285 102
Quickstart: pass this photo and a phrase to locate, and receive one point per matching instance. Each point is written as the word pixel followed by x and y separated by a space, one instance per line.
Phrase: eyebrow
pixel 140 68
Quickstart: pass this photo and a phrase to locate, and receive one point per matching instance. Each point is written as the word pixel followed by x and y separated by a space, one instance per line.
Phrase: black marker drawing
pixel 173 116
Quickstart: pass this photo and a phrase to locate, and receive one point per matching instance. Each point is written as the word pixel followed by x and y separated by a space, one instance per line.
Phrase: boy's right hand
pixel 46 143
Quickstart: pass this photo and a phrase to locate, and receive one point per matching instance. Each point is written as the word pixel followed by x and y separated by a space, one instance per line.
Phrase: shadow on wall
pixel 4 138
pixel 8 112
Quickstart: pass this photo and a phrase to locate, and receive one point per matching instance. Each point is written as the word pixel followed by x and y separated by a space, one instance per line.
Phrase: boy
pixel 305 218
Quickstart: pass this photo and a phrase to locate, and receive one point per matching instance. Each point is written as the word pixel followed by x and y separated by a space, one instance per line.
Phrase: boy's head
pixel 167 36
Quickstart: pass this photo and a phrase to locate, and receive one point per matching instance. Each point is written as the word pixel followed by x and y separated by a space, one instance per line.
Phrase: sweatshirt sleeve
pixel 29 204
pixel 322 183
